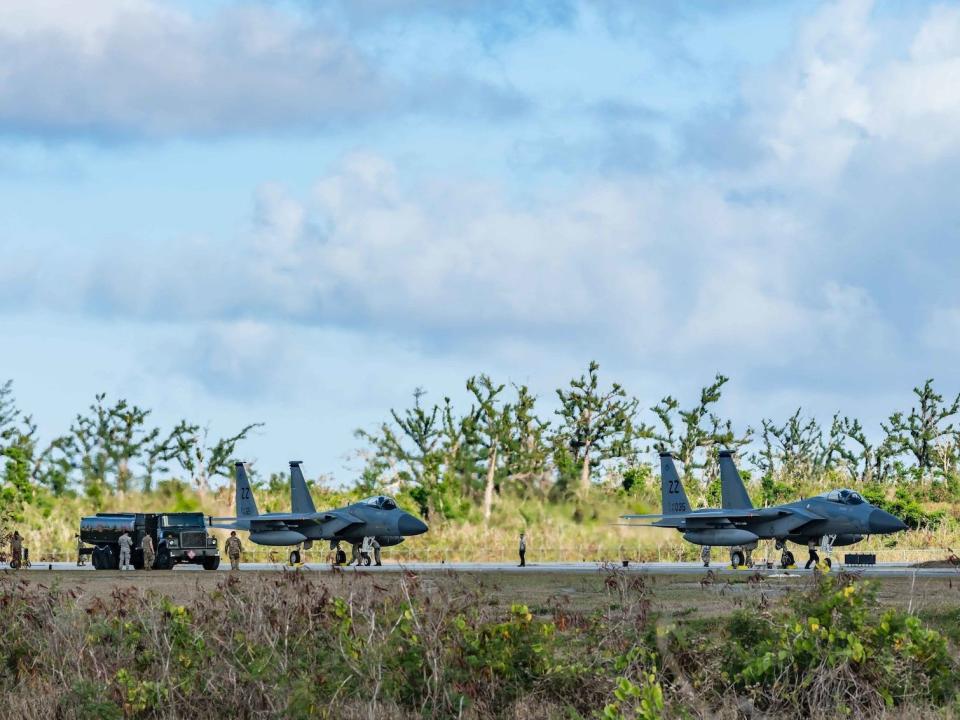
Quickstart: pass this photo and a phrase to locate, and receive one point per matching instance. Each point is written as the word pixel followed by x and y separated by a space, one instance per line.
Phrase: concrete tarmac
pixel 880 570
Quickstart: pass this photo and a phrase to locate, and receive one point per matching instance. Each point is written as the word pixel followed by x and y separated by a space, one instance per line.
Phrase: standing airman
pixel 705 555
pixel 126 543
pixel 523 551
pixel 233 548
pixel 148 554
pixel 376 552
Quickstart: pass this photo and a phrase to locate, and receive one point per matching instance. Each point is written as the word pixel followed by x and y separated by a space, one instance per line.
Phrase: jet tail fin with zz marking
pixel 674 498
pixel 246 503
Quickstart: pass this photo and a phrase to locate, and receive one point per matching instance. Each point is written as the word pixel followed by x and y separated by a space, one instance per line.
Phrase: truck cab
pixel 178 538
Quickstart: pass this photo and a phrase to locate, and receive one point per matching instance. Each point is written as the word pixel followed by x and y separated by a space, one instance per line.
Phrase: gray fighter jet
pixel 378 517
pixel 839 517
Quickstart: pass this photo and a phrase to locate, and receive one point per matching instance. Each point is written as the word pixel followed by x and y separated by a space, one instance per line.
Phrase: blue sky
pixel 298 212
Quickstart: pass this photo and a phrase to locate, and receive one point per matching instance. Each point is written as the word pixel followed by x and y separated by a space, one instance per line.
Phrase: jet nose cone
pixel 881 522
pixel 409 525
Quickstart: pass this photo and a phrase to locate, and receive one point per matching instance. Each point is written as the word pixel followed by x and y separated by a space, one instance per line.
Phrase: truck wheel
pixel 736 559
pixel 211 563
pixel 164 561
pixel 95 558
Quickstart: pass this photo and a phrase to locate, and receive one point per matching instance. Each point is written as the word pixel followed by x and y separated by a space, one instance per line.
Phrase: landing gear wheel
pixel 786 559
pixel 736 559
pixel 366 561
pixel 828 562
pixel 294 557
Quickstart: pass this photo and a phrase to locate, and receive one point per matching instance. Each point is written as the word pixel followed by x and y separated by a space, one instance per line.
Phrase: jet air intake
pixel 277 537
pixel 730 537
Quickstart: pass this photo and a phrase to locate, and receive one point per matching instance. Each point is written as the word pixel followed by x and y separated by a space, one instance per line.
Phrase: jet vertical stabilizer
pixel 300 499
pixel 733 493
pixel 673 497
pixel 246 504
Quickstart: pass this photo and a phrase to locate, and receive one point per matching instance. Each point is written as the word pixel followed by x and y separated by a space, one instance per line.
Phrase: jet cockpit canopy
pixel 844 497
pixel 381 501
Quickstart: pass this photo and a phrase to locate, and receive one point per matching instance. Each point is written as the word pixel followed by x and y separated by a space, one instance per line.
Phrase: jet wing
pixel 335 521
pixel 708 519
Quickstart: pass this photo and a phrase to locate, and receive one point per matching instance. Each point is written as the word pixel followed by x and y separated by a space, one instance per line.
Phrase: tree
pixel 597 424
pixel 491 427
pixel 415 451
pixel 798 448
pixel 701 429
pixel 188 445
pixel 527 455
pixel 871 463
pixel 920 432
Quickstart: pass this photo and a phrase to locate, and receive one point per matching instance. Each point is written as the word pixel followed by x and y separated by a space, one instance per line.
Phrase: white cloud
pixel 141 68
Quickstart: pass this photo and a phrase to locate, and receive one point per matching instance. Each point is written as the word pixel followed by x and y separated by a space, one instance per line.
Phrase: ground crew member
pixel 748 557
pixel 125 545
pixel 365 550
pixel 523 551
pixel 233 548
pixel 148 555
pixel 16 550
pixel 354 554
pixel 376 552
pixel 814 558
pixel 705 555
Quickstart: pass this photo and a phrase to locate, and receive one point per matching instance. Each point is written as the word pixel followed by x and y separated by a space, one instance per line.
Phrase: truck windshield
pixel 181 520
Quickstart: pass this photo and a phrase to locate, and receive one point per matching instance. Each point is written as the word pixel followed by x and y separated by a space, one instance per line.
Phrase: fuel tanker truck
pixel 177 538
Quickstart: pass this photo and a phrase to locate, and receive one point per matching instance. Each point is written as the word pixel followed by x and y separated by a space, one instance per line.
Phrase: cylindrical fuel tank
pixel 847 540
pixel 388 540
pixel 98 529
pixel 727 536
pixel 277 537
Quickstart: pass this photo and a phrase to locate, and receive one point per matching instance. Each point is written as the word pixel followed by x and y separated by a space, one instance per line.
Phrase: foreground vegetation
pixel 299 645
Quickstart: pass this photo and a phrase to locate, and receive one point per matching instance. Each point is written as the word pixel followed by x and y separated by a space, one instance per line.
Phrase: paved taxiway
pixel 880 570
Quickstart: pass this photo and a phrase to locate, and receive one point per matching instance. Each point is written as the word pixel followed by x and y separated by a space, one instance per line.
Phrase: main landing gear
pixel 295 557
pixel 786 557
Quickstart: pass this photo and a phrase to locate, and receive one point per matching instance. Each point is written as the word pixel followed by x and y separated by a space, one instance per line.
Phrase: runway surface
pixel 880 570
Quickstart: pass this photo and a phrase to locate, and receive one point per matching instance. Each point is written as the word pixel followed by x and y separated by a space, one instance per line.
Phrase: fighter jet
pixel 839 517
pixel 377 516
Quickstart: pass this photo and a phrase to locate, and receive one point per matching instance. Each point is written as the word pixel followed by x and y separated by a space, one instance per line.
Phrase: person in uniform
pixel 814 557
pixel 126 543
pixel 148 554
pixel 523 551
pixel 354 554
pixel 16 550
pixel 233 548
pixel 376 552
pixel 705 555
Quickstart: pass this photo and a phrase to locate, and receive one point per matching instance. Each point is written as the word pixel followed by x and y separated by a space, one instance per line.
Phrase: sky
pixel 298 212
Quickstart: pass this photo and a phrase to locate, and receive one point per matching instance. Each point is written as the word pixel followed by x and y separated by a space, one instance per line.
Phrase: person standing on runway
pixel 523 551
pixel 233 548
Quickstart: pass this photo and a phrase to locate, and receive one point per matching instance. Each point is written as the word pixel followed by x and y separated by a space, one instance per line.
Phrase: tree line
pixel 109 449
pixel 451 459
